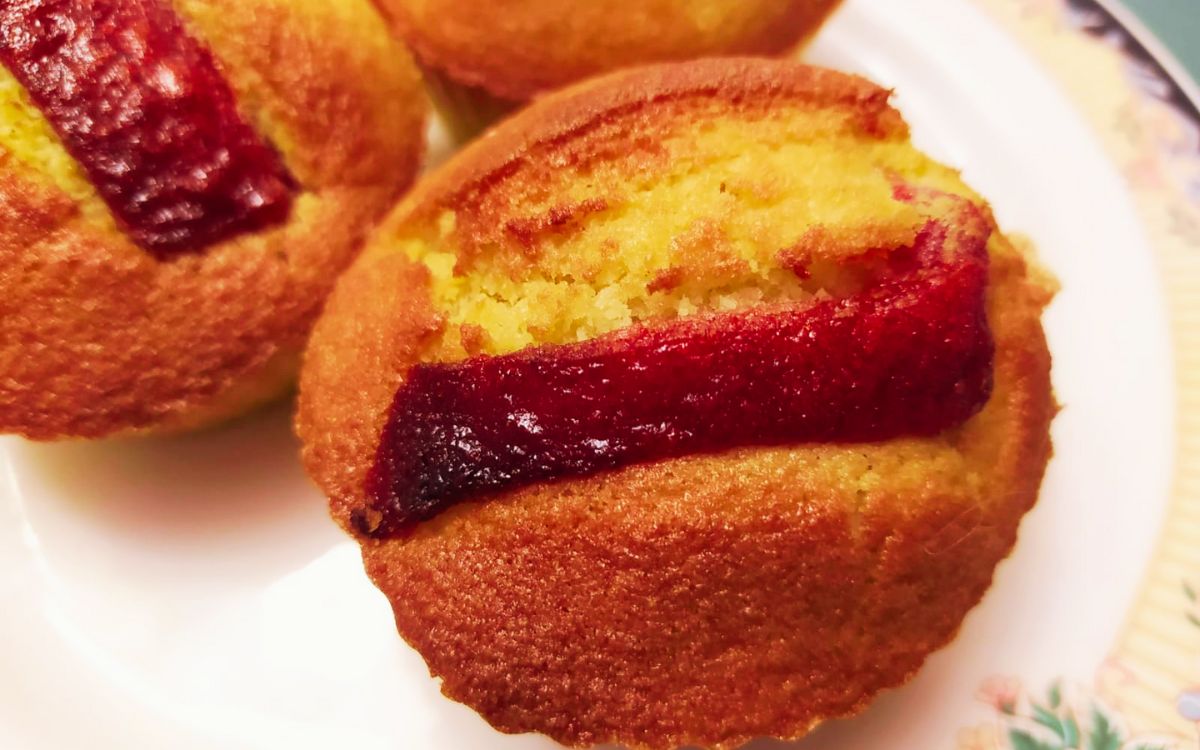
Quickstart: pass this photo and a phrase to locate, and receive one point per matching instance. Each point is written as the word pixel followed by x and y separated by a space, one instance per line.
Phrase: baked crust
pixel 698 601
pixel 625 115
pixel 99 337
pixel 517 50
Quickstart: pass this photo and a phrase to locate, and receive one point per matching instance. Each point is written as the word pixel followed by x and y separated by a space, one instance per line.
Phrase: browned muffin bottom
pixel 99 336
pixel 704 600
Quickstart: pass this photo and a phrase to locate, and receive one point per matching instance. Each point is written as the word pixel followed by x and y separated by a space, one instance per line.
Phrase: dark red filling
pixel 910 356
pixel 143 108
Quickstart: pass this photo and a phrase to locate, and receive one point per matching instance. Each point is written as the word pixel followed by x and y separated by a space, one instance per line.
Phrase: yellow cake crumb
pixel 27 137
pixel 742 204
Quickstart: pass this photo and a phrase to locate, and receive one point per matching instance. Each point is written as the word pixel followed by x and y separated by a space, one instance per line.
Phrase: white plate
pixel 191 593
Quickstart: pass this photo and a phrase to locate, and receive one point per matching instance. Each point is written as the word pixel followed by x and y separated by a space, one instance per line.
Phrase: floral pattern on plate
pixel 1144 110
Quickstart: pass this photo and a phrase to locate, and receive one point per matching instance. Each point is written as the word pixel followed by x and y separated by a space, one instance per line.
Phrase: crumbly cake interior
pixel 27 137
pixel 738 213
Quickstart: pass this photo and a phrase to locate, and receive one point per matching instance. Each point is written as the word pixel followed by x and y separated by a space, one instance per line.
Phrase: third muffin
pixel 484 58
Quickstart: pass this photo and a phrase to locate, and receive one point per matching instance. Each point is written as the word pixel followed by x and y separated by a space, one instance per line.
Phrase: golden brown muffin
pixel 100 334
pixel 705 599
pixel 484 58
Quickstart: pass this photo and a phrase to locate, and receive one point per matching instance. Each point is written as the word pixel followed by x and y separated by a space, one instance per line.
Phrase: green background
pixel 1177 24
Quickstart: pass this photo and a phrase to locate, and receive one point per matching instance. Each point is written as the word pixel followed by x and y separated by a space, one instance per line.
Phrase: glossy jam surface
pixel 910 356
pixel 143 108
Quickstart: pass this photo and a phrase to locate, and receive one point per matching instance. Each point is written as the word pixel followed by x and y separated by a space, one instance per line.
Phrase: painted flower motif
pixel 1156 121
pixel 1145 172
pixel 1059 721
pixel 1113 678
pixel 1156 131
pixel 1193 613
pixel 1189 705
pixel 1001 693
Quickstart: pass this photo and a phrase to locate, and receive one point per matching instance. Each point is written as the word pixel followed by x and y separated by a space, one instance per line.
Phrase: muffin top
pixel 641 200
pixel 173 257
pixel 516 50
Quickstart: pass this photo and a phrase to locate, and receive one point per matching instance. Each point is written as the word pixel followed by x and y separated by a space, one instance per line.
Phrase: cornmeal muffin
pixel 180 184
pixel 692 405
pixel 483 59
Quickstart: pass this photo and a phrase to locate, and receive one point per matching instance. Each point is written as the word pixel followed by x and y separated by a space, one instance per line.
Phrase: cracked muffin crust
pixel 704 599
pixel 100 334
